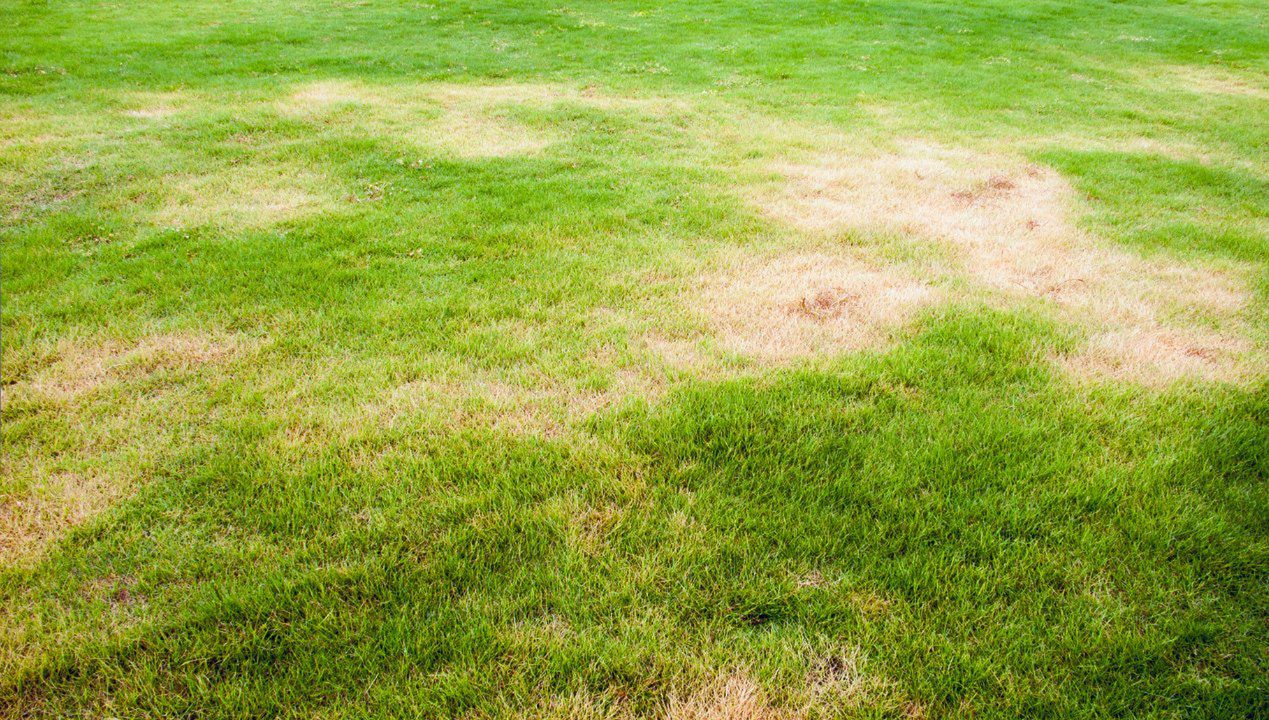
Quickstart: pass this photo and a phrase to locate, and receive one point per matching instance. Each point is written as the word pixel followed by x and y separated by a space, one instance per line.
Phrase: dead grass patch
pixel 1168 148
pixel 243 196
pixel 735 697
pixel 841 676
pixel 836 684
pixel 542 94
pixel 803 304
pixel 469 134
pixel 43 490
pixel 580 705
pixel 117 591
pixel 533 635
pixel 33 517
pixel 1007 225
pixel 914 710
pixel 841 682
pixel 869 604
pixel 70 370
pixel 677 354
pixel 590 526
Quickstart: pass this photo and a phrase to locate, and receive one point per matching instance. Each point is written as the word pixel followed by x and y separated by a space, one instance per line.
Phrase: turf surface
pixel 356 364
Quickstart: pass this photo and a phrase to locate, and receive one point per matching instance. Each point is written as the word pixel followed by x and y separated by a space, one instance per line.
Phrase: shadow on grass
pixel 989 538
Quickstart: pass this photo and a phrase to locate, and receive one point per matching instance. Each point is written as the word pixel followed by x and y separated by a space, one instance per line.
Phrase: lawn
pixel 743 360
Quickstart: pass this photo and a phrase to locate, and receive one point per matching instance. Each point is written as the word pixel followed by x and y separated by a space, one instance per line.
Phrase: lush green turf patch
pixel 356 363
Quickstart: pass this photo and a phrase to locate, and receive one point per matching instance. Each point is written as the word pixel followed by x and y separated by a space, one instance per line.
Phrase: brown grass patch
pixel 466 123
pixel 840 682
pixel 804 304
pixel 733 698
pixel 540 94
pixel 836 686
pixel 1165 147
pixel 243 196
pixel 1007 224
pixel 45 488
pixel 581 705
pixel 914 710
pixel 839 675
pixel 117 591
pixel 869 604
pixel 590 526
pixel 73 369
pixel 677 354
pixel 33 517
pixel 471 135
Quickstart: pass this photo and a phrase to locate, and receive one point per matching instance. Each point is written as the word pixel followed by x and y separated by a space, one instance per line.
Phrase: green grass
pixel 311 408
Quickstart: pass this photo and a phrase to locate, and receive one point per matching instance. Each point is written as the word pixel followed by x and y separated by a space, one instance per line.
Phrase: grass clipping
pixel 1007 233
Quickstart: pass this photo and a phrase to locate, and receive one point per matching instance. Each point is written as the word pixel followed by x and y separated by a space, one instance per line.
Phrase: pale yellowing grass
pixel 33 517
pixel 76 368
pixel 521 406
pixel 1209 80
pixel 156 105
pixel 463 120
pixel 455 122
pixel 244 196
pixel 798 305
pixel 41 497
pixel 1008 224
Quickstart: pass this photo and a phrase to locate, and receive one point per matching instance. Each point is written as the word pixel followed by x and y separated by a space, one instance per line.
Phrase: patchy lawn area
pixel 694 360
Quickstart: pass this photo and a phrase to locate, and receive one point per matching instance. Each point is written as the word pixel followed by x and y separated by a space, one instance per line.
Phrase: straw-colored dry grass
pixel 530 405
pixel 69 370
pixel 35 517
pixel 465 124
pixel 1210 80
pixel 624 361
pixel 1008 224
pixel 803 304
pixel 735 697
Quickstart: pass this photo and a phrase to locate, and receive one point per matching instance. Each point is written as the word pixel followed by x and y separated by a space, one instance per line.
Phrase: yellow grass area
pixel 1008 226
pixel 244 196
pixel 466 121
